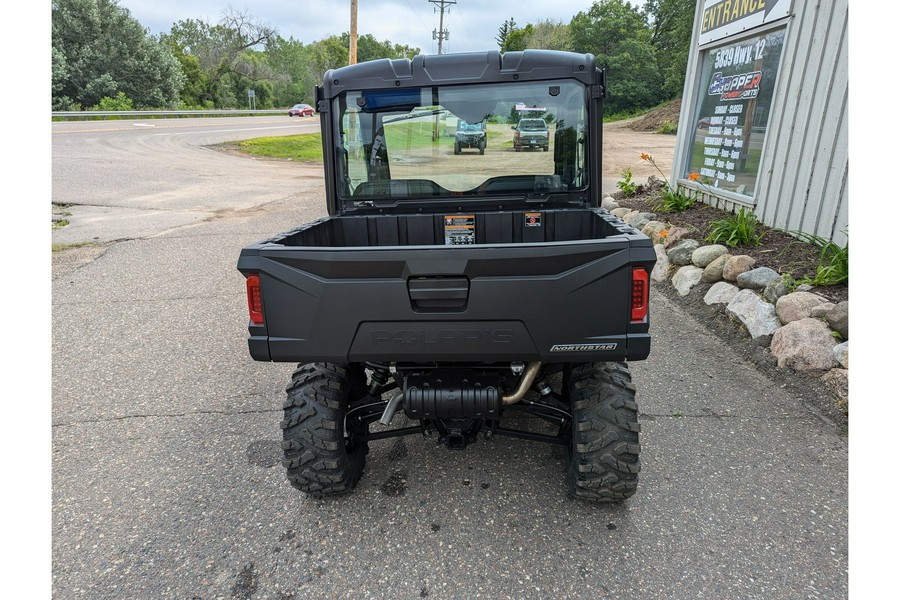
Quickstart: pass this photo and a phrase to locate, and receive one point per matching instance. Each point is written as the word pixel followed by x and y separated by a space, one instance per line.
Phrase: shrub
pixel 668 128
pixel 120 102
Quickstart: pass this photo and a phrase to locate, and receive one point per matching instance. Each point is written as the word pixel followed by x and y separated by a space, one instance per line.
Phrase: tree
pixel 517 39
pixel 549 35
pixel 672 23
pixel 224 53
pixel 193 92
pixel 289 59
pixel 508 26
pixel 330 53
pixel 618 35
pixel 99 49
pixel 368 48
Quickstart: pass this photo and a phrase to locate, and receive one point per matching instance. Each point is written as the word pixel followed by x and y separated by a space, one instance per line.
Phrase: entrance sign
pixel 723 18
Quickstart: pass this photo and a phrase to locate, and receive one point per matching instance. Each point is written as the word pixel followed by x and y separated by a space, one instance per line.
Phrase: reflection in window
pixel 462 140
pixel 736 89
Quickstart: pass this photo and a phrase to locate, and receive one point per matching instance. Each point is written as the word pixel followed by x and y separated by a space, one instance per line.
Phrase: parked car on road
pixel 301 110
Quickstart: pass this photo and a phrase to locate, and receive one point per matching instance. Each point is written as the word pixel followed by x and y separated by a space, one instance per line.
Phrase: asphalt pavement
pixel 167 481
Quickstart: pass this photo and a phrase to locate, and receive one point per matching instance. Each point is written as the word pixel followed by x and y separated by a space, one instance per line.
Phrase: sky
pixel 472 24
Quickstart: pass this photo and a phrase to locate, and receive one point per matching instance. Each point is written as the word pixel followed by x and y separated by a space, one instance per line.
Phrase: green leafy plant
pixel 668 128
pixel 628 187
pixel 669 201
pixel 739 229
pixel 120 102
pixel 834 260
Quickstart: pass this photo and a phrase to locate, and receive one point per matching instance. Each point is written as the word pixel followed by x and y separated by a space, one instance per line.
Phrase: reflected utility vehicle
pixel 470 135
pixel 531 134
pixel 457 292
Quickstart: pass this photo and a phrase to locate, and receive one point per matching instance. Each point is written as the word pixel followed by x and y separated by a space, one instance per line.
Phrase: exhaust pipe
pixel 528 378
pixel 391 408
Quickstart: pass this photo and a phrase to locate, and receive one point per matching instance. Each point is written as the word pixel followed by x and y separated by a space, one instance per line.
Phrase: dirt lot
pixel 623 146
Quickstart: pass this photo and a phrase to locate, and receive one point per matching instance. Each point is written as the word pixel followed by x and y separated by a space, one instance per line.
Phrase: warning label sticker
pixel 533 219
pixel 459 230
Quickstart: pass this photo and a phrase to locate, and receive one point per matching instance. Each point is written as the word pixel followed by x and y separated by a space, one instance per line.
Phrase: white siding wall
pixel 803 179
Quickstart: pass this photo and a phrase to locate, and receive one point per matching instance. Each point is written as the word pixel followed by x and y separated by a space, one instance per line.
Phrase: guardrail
pixel 147 114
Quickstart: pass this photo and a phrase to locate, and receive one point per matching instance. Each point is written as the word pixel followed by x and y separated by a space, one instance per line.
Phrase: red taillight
pixel 640 294
pixel 254 299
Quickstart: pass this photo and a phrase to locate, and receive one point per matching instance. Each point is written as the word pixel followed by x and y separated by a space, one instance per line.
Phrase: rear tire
pixel 602 461
pixel 321 458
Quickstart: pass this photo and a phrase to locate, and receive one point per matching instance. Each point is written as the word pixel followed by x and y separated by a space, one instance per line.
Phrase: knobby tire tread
pixel 318 458
pixel 603 459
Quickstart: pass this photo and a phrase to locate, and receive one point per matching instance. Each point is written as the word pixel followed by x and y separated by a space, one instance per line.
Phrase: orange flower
pixel 694 176
pixel 664 234
pixel 645 156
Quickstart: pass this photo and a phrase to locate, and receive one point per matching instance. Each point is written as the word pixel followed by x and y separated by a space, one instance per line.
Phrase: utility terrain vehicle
pixel 457 291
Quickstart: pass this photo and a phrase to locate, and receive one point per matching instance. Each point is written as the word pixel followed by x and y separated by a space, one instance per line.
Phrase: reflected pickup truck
pixel 453 299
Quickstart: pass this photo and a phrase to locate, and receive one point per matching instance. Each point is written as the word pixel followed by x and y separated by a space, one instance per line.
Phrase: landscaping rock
pixel 662 267
pixel 838 381
pixel 776 289
pixel 757 279
pixel 631 216
pixel 704 255
pixel 686 278
pixel 653 229
pixel 819 312
pixel 736 265
pixel 796 306
pixel 720 293
pixel 620 212
pixel 713 271
pixel 676 234
pixel 842 354
pixel 838 318
pixel 754 313
pixel 804 345
pixel 609 203
pixel 640 221
pixel 680 254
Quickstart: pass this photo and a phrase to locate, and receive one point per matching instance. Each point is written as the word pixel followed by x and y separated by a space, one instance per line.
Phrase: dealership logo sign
pixel 735 87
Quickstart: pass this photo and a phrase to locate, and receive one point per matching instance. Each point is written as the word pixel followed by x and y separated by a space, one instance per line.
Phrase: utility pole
pixel 441 34
pixel 353 6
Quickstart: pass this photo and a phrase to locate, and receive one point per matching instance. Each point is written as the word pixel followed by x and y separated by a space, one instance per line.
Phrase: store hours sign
pixel 737 85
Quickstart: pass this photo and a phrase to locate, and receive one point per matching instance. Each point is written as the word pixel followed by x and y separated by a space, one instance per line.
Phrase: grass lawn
pixel 303 147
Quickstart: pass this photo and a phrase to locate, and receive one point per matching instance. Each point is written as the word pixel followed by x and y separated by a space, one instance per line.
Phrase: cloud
pixel 472 24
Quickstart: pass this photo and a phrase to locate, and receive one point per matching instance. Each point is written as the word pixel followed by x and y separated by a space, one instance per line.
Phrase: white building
pixel 764 112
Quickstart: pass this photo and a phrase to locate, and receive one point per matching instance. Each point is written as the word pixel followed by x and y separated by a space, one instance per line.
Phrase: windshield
pixel 402 142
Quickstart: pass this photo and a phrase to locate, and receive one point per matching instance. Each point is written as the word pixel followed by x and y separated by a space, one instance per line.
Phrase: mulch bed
pixel 777 250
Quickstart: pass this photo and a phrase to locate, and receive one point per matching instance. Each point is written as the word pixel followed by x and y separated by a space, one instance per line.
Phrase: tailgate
pixel 554 302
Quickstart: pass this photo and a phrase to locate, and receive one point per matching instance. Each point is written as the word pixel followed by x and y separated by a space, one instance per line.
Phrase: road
pixel 166 477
